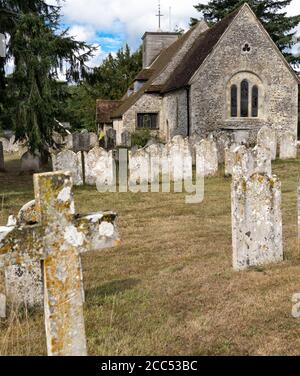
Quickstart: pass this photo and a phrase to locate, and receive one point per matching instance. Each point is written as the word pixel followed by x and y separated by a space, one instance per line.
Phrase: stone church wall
pixel 210 87
pixel 147 103
pixel 175 117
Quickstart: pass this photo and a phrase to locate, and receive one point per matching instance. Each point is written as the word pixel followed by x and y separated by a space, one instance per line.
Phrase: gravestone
pixel 2 306
pixel 195 139
pixel 84 141
pixel 243 162
pixel 288 146
pixel 187 161
pixel 58 239
pixel 223 141
pixel 247 162
pixel 230 159
pixel 207 157
pixel 256 221
pixel 176 158
pixel 126 139
pixel 67 160
pixel 110 139
pixel 24 281
pixel 68 141
pixel 10 146
pixel 263 160
pixel 155 154
pixel 99 166
pixel 2 166
pixel 267 138
pixel 139 169
pixel 30 162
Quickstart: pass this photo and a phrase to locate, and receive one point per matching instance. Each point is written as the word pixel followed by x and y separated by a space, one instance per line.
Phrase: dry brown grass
pixel 170 288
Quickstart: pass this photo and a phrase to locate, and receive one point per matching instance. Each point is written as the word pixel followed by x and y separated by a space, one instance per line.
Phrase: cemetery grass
pixel 170 288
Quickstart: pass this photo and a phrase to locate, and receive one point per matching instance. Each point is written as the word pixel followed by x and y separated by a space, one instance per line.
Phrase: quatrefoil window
pixel 246 48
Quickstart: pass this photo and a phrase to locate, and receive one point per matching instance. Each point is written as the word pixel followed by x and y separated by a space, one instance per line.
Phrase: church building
pixel 229 78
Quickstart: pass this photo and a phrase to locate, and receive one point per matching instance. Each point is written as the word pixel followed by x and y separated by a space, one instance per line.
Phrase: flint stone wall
pixel 210 104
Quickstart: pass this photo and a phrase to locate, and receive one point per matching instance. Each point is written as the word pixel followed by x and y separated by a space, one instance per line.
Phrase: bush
pixel 141 137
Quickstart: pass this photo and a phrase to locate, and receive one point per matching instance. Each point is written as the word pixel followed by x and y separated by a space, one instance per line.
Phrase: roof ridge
pixel 205 43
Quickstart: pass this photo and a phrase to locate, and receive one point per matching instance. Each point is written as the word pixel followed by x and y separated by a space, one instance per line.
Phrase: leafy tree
pixel 40 52
pixel 108 81
pixel 271 14
pixel 113 77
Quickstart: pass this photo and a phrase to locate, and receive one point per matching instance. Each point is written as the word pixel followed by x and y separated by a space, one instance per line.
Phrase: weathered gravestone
pixel 223 142
pixel 126 139
pixel 180 159
pixel 68 141
pixel 155 155
pixel 139 170
pixel 2 166
pixel 207 157
pixel 58 239
pixel 67 160
pixel 110 139
pixel 262 160
pixel 84 141
pixel 243 162
pixel 99 167
pixel 267 138
pixel 247 162
pixel 256 221
pixel 24 281
pixel 230 158
pixel 288 145
pixel 10 146
pixel 30 162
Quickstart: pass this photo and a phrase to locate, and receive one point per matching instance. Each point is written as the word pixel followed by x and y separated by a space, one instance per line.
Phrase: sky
pixel 109 24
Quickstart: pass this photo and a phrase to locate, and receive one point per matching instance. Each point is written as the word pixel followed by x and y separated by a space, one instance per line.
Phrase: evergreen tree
pixel 270 12
pixel 40 54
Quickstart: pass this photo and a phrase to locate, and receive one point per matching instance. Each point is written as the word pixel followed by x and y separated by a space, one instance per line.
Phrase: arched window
pixel 254 101
pixel 234 93
pixel 244 98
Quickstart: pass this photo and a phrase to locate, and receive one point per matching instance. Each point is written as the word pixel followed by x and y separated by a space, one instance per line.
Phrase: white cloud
pixel 82 33
pixel 112 23
pixel 129 18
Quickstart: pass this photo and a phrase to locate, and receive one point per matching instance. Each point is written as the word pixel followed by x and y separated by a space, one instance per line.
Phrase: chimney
pixel 154 44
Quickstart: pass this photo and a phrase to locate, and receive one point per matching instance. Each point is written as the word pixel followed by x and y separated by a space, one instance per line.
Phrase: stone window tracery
pixel 245 96
pixel 246 48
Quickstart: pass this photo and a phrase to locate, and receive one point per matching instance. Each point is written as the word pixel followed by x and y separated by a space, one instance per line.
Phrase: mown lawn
pixel 170 289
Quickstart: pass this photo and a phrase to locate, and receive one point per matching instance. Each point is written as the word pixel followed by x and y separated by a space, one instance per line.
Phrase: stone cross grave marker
pixel 58 239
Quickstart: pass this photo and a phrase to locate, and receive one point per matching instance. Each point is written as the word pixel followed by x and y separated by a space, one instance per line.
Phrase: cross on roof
pixel 58 238
pixel 159 15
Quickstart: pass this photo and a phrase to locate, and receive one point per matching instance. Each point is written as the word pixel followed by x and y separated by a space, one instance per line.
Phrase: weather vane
pixel 159 15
